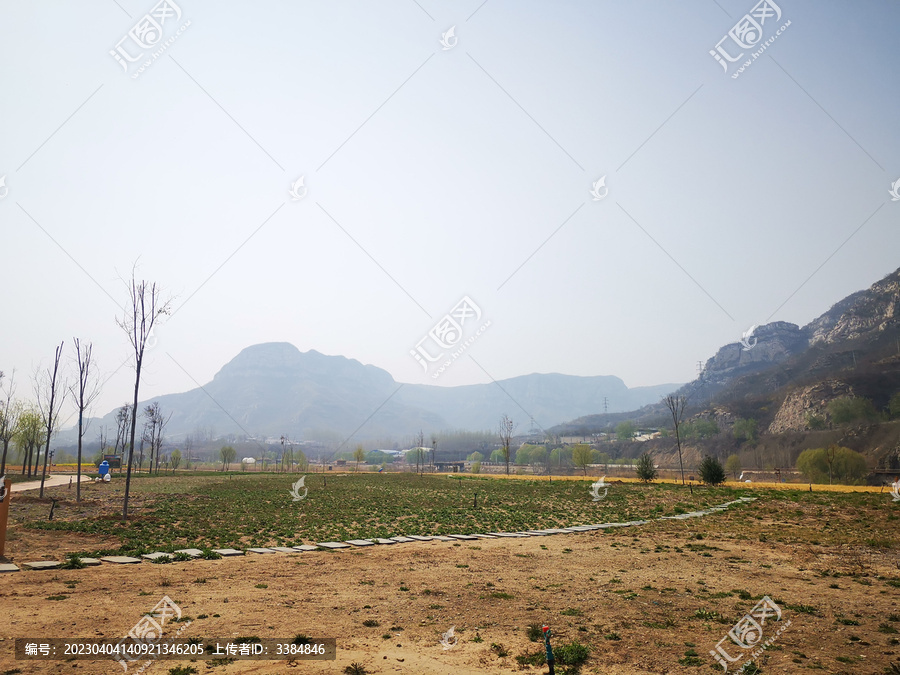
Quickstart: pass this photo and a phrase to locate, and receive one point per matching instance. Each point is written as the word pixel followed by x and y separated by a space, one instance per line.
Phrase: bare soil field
pixel 654 598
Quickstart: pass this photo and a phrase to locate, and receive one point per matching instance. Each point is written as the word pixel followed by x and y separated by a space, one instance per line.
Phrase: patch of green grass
pixel 186 509
pixel 57 597
pixel 182 670
pixel 72 562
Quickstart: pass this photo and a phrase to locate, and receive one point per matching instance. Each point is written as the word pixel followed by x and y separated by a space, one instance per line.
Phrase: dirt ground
pixel 632 595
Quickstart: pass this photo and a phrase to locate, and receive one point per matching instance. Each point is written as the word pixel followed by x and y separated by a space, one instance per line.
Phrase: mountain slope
pixel 789 373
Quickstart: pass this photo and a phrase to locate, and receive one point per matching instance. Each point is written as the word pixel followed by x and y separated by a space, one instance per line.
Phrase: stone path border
pixel 355 543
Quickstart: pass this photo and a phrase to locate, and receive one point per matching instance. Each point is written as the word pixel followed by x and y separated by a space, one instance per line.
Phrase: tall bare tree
pixel 144 309
pixel 188 446
pixel 506 432
pixel 153 433
pixel 676 405
pixel 123 424
pixel 434 441
pixel 420 442
pixel 49 399
pixel 84 391
pixel 10 411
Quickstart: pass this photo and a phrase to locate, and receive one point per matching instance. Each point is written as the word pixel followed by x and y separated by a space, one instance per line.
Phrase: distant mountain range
pixel 273 388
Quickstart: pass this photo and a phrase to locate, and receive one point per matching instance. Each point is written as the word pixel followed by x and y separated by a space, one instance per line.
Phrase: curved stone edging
pixel 195 553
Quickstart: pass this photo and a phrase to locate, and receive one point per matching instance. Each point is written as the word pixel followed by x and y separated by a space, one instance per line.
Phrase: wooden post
pixel 4 512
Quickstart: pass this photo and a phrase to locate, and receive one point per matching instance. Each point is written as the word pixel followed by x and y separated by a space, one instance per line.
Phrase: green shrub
pixel 745 430
pixel 711 471
pixel 645 470
pixel 832 464
pixel 848 409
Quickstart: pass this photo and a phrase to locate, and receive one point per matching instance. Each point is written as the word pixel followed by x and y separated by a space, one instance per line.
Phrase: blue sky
pixel 434 174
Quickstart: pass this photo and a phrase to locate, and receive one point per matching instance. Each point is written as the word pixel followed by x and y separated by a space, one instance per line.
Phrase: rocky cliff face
pixel 802 404
pixel 769 345
pixel 863 313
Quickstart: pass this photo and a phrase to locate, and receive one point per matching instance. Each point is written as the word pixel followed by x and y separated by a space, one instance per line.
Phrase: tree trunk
pixel 78 468
pixel 3 462
pixel 137 384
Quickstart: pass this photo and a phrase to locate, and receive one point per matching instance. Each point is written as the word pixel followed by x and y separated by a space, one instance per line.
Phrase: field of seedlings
pixel 652 598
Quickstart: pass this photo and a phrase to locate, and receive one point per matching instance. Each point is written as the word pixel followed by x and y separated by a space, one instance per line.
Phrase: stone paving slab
pixel 120 559
pixel 402 540
pixel 508 534
pixel 554 530
pixel 484 536
pixel 8 567
pixel 42 565
pixel 284 549
pixel 360 542
pixel 332 544
pixel 306 547
pixel 261 549
pixel 90 562
pixel 419 537
pixel 379 540
pixel 157 555
pixel 464 537
pixel 225 552
pixel 193 552
pixel 535 533
pixel 441 537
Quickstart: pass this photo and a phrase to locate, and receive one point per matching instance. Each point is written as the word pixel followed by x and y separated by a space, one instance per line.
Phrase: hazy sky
pixel 436 171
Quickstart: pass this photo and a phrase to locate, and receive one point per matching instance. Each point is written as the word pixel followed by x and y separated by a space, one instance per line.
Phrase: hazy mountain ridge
pixel 272 389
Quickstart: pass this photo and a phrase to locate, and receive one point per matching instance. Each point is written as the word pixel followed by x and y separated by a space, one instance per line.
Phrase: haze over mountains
pixel 273 388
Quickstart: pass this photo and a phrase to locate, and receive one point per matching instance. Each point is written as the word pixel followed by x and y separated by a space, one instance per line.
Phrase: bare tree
pixel 676 405
pixel 434 441
pixel 49 400
pixel 153 433
pixel 10 411
pixel 123 424
pixel 506 432
pixel 145 308
pixel 84 392
pixel 188 446
pixel 419 441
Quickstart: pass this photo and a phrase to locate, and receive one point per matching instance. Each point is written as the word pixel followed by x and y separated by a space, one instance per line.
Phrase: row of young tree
pixel 18 419
pixel 31 425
